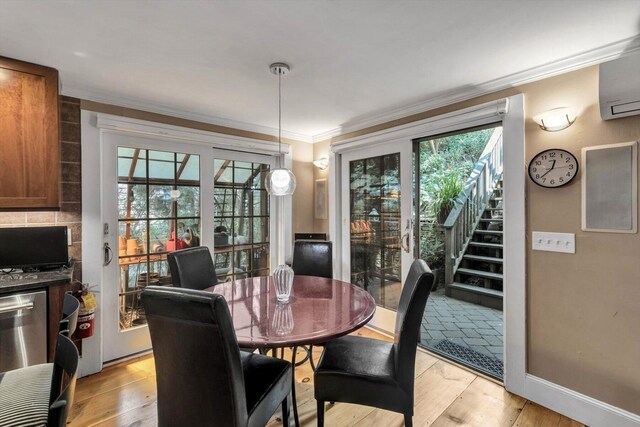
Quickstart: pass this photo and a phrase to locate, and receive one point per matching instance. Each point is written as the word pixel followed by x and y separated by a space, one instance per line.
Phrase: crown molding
pixel 98 96
pixel 591 57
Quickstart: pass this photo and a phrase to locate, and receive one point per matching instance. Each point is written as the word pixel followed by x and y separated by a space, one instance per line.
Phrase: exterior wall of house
pixel 583 312
pixel 70 213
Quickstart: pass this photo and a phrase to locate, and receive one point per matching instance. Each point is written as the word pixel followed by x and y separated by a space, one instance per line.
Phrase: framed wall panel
pixel 609 188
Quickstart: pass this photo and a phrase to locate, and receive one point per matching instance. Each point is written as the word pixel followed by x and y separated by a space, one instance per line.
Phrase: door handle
pixel 405 242
pixel 108 254
pixel 11 308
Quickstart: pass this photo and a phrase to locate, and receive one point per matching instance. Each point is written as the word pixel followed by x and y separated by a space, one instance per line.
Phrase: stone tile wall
pixel 70 213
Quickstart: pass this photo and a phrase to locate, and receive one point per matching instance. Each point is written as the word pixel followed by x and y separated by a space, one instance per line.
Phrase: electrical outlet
pixel 554 242
pixel 69 239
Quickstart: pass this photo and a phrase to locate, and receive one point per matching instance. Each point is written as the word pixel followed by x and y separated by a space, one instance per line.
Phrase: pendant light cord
pixel 279 111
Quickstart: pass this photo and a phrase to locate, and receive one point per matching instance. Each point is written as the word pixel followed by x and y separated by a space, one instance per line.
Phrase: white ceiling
pixel 350 59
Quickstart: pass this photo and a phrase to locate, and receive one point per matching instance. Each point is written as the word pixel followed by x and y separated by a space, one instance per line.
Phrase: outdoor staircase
pixel 478 277
pixel 474 234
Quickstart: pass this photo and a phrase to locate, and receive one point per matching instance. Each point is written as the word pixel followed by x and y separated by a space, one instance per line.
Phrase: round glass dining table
pixel 318 310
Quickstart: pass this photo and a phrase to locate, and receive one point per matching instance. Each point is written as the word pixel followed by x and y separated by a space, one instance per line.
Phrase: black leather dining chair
pixel 372 372
pixel 62 392
pixel 203 379
pixel 313 258
pixel 70 309
pixel 192 268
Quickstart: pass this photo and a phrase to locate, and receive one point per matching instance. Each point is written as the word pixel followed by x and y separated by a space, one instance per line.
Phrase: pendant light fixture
pixel 280 181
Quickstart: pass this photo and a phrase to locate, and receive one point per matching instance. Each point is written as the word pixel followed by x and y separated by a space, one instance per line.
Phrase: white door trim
pixel 92 126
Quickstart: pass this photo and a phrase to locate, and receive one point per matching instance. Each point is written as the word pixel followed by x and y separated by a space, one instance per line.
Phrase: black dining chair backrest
pixel 192 268
pixel 413 300
pixel 313 258
pixel 62 393
pixel 70 309
pixel 199 372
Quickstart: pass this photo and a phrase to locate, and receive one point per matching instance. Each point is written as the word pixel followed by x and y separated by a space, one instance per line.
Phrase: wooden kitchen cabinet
pixel 29 140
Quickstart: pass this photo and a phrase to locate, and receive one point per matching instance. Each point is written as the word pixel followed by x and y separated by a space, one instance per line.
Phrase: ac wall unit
pixel 620 87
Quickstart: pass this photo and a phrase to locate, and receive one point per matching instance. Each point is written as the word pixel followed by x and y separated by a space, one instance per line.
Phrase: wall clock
pixel 553 168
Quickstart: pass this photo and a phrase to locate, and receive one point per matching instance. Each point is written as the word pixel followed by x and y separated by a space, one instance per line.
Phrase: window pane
pixel 187 168
pixel 132 201
pixel 160 201
pixel 189 202
pixel 161 165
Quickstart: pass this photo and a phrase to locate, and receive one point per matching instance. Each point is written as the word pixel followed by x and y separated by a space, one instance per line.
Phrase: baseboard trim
pixel 577 406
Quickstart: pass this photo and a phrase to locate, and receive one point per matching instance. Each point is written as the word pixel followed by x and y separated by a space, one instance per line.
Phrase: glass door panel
pixel 158 212
pixel 241 219
pixel 376 226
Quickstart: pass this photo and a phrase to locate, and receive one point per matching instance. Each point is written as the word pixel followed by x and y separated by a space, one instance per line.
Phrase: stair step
pixel 476 290
pixel 489 232
pixel 480 273
pixel 493 209
pixel 486 245
pixel 498 188
pixel 482 258
pixel 497 199
pixel 490 219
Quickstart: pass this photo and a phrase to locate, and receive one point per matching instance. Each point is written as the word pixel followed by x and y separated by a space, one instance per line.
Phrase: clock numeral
pixel 570 167
pixel 552 154
pixel 568 173
pixel 561 179
pixel 538 163
pixel 544 180
pixel 537 176
pixel 535 169
pixel 543 157
pixel 552 182
pixel 568 160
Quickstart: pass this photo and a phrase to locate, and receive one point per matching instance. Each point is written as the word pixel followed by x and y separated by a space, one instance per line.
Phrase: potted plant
pixel 432 248
pixel 444 193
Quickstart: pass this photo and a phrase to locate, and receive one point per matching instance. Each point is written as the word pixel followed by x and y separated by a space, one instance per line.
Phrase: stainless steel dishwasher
pixel 23 330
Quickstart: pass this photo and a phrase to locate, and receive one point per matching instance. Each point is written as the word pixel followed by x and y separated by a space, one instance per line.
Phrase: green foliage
pixel 445 166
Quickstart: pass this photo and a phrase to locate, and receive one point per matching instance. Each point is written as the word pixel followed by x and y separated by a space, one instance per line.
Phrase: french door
pixel 377 232
pixel 160 196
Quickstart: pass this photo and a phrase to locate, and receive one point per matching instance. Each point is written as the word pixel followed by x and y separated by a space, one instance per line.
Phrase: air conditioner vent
pixel 620 87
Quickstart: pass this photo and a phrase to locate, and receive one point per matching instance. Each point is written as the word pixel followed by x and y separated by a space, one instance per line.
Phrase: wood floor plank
pixel 114 402
pixel 109 379
pixel 125 395
pixel 483 403
pixel 534 415
pixel 435 390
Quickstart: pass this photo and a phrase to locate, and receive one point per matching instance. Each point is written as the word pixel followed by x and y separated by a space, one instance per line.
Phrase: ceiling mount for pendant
pixel 279 68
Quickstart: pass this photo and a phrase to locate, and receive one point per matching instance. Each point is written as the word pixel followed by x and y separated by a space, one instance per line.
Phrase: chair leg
pixel 408 420
pixel 320 413
pixel 285 412
pixel 313 365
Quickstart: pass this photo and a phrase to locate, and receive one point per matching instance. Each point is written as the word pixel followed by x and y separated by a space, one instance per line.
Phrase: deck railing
pixel 471 203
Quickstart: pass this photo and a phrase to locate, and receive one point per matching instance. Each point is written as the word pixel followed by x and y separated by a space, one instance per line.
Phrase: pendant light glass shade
pixel 280 182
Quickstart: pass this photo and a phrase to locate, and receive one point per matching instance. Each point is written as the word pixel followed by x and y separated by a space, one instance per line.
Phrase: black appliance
pixel 32 248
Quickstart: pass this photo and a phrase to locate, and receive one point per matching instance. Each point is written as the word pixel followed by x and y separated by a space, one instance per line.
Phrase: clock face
pixel 553 168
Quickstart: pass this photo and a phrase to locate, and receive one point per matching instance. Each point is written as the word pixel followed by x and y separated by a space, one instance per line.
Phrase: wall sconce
pixel 321 163
pixel 555 119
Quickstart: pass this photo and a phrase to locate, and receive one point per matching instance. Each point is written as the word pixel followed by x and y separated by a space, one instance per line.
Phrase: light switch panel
pixel 554 242
pixel 69 239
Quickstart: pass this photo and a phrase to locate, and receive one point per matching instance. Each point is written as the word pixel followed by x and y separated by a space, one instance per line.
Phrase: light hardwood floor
pixel 445 395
